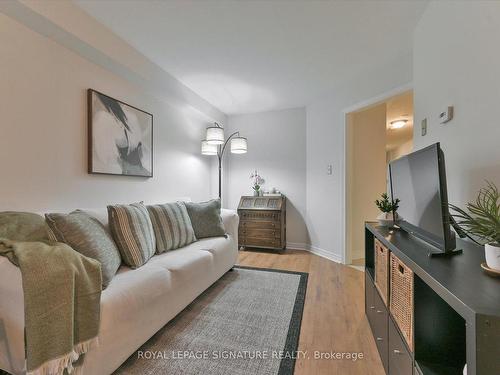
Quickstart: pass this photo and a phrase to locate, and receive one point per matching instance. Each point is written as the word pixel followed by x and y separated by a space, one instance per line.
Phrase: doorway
pixel 375 135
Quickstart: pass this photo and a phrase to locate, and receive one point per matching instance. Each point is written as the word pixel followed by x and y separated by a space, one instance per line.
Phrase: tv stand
pixel 455 309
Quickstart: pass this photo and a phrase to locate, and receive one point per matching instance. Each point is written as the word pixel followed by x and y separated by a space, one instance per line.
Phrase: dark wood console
pixel 455 311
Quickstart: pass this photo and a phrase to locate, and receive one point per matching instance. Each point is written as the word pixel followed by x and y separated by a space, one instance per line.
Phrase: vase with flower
pixel 257 182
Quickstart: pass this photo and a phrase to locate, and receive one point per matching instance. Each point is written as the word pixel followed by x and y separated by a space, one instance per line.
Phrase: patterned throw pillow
pixel 172 226
pixel 206 219
pixel 87 235
pixel 133 232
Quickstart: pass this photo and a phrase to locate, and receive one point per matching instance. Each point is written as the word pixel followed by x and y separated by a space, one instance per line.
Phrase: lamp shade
pixel 215 135
pixel 239 145
pixel 208 148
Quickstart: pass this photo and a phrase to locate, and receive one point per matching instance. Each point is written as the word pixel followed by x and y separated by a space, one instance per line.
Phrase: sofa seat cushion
pixel 185 264
pixel 219 247
pixel 132 289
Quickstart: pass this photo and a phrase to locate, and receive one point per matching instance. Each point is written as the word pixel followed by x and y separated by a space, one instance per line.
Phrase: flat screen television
pixel 419 181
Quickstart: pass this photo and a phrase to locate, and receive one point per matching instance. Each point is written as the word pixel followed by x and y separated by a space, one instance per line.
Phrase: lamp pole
pixel 220 154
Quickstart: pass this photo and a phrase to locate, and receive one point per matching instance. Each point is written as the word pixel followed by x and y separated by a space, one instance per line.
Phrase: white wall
pixel 401 150
pixel 44 128
pixel 366 173
pixel 457 62
pixel 325 145
pixel 277 149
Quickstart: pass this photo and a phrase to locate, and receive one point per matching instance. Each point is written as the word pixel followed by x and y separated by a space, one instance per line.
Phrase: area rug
pixel 248 322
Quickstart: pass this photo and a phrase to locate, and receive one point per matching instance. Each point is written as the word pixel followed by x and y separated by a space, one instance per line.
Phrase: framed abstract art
pixel 120 137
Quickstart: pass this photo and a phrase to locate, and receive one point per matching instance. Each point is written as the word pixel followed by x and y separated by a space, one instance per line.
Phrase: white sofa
pixel 135 305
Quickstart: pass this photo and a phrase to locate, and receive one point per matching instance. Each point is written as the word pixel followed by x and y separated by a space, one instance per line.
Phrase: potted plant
pixel 481 221
pixel 257 182
pixel 388 208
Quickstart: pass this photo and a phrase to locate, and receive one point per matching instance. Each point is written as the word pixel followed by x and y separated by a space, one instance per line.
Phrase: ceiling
pixel 253 56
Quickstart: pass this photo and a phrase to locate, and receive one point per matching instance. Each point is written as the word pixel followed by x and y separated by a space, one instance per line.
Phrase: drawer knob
pixel 396 351
pixel 379 311
pixel 380 339
pixel 372 307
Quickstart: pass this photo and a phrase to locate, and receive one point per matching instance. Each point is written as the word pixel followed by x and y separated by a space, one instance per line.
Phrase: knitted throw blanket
pixel 62 291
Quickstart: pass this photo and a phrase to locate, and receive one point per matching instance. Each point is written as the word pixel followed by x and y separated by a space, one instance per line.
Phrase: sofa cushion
pixel 218 247
pixel 133 233
pixel 86 235
pixel 100 214
pixel 184 264
pixel 206 219
pixel 172 226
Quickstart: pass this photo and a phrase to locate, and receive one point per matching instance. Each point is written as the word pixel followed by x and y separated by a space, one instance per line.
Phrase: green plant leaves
pixel 385 205
pixel 481 219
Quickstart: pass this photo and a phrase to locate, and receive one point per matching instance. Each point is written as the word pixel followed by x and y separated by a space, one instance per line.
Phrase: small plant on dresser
pixel 388 210
pixel 481 221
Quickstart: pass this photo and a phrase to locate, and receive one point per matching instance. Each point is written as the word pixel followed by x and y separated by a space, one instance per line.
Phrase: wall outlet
pixel 423 126
pixel 329 169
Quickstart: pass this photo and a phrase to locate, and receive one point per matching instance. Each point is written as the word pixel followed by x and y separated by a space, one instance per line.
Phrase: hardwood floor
pixel 334 319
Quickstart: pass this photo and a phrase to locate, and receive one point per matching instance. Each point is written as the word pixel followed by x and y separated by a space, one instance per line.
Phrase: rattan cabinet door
pixel 401 298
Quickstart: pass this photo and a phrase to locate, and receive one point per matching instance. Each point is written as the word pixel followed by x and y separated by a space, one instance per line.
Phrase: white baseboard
pixel 325 254
pixel 314 250
pixel 297 246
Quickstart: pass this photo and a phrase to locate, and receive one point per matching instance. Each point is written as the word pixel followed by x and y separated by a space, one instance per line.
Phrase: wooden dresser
pixel 262 222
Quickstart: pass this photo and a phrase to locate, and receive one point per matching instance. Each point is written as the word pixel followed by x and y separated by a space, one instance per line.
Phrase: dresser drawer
pixel 259 215
pixel 400 360
pixel 261 233
pixel 369 302
pixel 260 242
pixel 259 225
pixel 380 328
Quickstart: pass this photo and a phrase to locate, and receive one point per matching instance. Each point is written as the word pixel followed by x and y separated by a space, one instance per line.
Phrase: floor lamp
pixel 214 144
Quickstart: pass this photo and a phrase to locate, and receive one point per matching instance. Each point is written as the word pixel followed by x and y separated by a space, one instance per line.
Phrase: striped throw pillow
pixel 133 233
pixel 172 226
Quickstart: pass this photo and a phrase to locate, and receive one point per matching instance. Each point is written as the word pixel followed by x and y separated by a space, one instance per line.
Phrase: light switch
pixel 423 125
pixel 329 169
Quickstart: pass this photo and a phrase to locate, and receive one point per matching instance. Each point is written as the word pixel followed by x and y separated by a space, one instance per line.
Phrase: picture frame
pixel 120 137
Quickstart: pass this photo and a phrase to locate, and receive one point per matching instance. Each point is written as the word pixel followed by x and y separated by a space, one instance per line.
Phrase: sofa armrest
pixel 231 221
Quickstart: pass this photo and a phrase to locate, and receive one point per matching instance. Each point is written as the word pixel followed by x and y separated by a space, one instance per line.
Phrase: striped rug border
pixel 287 365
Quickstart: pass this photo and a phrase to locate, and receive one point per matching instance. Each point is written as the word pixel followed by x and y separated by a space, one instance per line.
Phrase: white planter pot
pixel 386 219
pixel 492 254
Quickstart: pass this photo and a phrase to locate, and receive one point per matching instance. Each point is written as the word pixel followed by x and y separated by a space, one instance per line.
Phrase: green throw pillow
pixel 86 234
pixel 23 226
pixel 205 218
pixel 171 225
pixel 132 230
